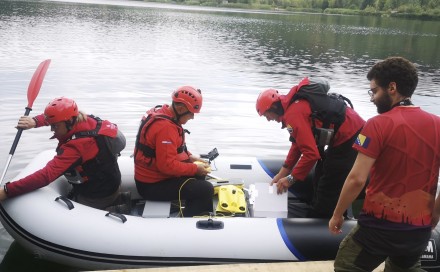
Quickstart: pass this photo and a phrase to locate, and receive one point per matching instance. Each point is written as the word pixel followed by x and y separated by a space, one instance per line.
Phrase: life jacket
pixel 99 176
pixel 329 108
pixel 146 122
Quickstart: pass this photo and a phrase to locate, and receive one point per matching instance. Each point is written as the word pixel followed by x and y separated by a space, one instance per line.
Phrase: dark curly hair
pixel 398 70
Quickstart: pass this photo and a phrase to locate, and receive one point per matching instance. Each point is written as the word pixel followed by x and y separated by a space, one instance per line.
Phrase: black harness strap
pixel 328 108
pixel 148 151
pixel 90 133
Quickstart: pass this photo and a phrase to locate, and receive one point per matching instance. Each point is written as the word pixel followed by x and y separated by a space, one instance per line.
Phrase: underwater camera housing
pixel 211 155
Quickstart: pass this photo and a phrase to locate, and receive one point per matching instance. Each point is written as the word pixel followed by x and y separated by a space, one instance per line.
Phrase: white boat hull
pixel 88 238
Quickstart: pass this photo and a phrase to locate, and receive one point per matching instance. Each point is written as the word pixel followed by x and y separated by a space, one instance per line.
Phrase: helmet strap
pixel 70 123
pixel 277 108
pixel 176 113
pixel 178 116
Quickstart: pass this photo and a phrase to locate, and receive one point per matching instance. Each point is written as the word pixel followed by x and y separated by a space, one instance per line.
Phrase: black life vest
pixel 329 108
pixel 100 176
pixel 145 124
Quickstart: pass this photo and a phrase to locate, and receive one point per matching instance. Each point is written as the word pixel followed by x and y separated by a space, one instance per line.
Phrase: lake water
pixel 120 58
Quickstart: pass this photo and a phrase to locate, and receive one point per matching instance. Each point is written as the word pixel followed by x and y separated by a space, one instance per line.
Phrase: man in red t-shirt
pixel 400 150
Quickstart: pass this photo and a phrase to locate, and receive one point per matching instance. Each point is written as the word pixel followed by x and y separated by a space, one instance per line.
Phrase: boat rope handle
pixel 118 215
pixel 66 200
pixel 210 224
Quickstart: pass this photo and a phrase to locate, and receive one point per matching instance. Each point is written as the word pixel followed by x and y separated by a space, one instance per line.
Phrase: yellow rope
pixel 180 201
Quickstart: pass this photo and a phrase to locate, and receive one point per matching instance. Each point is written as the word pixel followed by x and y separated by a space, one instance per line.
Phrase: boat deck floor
pixel 321 266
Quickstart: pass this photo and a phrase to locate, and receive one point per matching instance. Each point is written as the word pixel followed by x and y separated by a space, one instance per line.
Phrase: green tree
pixel 380 4
pixel 335 3
pixel 366 3
pixel 354 4
pixel 391 4
pixel 433 4
pixel 316 4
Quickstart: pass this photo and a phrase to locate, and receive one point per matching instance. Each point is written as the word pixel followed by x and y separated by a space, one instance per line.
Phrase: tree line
pixel 429 9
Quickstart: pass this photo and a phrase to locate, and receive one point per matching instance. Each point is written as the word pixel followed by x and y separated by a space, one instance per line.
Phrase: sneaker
pixel 122 204
pixel 125 198
pixel 124 209
pixel 121 209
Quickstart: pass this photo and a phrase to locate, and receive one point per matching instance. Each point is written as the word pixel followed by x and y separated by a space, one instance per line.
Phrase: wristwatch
pixel 291 180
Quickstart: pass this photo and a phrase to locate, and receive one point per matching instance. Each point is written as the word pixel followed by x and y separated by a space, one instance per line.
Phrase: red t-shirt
pixel 403 181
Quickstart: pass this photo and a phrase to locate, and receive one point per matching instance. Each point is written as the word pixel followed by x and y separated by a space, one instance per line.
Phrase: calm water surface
pixel 119 58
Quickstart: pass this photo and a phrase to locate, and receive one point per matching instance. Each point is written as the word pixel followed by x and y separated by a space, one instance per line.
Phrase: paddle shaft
pixel 14 146
pixel 33 90
pixel 17 137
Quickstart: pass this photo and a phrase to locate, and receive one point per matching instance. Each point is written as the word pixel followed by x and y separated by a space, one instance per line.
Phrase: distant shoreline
pixel 431 15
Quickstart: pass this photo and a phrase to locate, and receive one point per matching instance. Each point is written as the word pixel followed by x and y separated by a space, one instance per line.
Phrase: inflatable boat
pixel 55 228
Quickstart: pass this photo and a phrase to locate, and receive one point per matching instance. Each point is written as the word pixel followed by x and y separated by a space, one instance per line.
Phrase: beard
pixel 383 104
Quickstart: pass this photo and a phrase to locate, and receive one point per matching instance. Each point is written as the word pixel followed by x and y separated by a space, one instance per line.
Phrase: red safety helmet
pixel 60 109
pixel 192 98
pixel 266 99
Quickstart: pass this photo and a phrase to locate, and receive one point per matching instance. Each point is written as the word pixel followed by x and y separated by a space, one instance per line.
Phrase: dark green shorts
pixel 353 256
